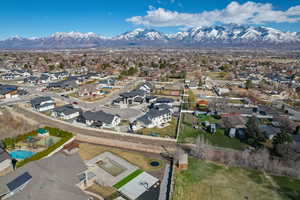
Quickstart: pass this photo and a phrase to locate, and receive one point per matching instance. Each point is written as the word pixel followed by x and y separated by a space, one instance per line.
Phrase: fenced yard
pixel 189 133
pixel 205 180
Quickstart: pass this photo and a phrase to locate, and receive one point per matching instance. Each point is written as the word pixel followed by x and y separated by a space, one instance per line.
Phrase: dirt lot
pixel 12 123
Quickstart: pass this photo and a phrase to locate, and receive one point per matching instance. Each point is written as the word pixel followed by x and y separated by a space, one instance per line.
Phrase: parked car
pixel 75 102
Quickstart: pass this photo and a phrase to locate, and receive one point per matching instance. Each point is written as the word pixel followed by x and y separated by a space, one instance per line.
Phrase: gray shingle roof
pixel 133 93
pixel 99 116
pixel 38 100
pixel 53 178
pixel 151 114
pixel 66 109
pixel 164 100
pixel 4 89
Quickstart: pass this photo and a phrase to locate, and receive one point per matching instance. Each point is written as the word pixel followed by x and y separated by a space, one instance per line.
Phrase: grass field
pixel 169 131
pixel 204 180
pixel 189 134
pixel 218 75
pixel 89 151
pixel 128 178
pixel 235 101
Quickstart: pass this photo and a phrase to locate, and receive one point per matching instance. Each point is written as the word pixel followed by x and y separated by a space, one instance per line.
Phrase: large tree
pixel 253 132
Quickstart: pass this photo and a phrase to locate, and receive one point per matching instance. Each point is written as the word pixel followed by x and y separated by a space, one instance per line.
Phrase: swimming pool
pixel 21 154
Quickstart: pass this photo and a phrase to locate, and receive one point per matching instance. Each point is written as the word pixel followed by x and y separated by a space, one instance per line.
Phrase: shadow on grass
pixel 288 188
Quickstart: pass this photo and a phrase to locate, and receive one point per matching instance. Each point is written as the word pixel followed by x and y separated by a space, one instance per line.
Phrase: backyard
pixel 35 144
pixel 169 131
pixel 205 180
pixel 189 133
pixel 89 151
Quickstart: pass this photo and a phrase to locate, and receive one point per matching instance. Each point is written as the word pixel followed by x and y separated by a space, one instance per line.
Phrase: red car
pixel 75 102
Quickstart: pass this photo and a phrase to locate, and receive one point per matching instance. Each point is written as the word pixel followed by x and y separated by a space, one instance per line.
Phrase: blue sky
pixel 35 18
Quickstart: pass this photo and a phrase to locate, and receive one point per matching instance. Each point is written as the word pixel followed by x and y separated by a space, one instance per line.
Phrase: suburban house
pixel 31 79
pixel 107 83
pixel 66 112
pixel 134 96
pixel 65 84
pixel 269 131
pixel 147 87
pixel 153 118
pixel 151 99
pixel 95 75
pixel 9 76
pixel 42 103
pixel 99 119
pixel 163 107
pixel 5 160
pixel 164 100
pixel 59 75
pixel 8 91
pixel 51 178
pixel 21 73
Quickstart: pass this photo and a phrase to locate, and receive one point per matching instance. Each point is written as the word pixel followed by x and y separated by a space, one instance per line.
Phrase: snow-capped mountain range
pixel 226 35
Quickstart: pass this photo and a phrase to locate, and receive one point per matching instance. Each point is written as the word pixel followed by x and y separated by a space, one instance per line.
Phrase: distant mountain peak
pixel 74 34
pixel 142 34
pixel 228 35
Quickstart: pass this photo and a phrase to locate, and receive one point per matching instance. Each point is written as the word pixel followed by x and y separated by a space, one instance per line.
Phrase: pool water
pixel 21 154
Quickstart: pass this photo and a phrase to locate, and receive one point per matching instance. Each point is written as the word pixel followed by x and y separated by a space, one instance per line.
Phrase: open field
pixel 13 124
pixel 88 151
pixel 218 75
pixel 169 131
pixel 189 134
pixel 204 180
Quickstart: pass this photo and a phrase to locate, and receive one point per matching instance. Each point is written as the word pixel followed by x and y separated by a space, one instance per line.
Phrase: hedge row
pixel 10 142
pixel 64 135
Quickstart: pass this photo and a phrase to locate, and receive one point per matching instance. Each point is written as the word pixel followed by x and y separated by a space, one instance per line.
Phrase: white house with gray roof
pixel 153 118
pixel 100 119
pixel 66 112
pixel 42 103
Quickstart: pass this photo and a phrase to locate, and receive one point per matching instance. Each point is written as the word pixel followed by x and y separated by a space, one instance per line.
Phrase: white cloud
pixel 247 13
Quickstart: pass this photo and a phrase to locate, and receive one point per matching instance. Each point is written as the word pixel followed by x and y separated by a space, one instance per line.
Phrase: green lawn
pixel 205 180
pixel 288 188
pixel 235 101
pixel 209 118
pixel 128 178
pixel 189 134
